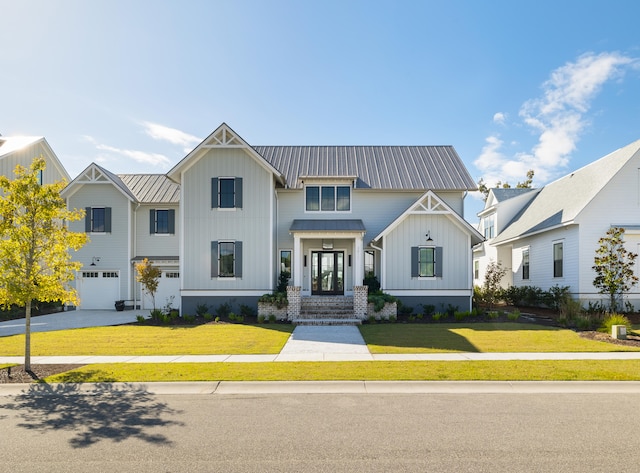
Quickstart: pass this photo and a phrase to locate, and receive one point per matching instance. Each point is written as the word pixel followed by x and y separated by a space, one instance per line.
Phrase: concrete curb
pixel 325 387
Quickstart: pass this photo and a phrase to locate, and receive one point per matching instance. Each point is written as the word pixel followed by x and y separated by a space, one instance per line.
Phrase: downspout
pixel 135 252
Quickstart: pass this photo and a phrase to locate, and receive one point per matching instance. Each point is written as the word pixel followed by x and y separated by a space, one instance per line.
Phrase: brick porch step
pixel 326 321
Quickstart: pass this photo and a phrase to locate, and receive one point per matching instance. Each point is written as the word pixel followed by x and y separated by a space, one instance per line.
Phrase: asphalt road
pixel 133 430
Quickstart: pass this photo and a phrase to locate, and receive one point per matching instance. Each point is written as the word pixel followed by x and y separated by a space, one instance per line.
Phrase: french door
pixel 327 272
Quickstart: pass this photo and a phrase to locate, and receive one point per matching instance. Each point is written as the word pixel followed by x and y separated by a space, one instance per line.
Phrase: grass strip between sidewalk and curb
pixel 547 370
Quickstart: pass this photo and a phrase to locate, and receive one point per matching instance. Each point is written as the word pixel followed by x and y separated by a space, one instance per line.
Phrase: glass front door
pixel 327 272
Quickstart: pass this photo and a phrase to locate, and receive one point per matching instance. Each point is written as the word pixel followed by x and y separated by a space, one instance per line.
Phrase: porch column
pixel 297 260
pixel 358 261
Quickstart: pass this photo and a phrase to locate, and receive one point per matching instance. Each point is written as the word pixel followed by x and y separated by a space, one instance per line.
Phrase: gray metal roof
pixel 302 225
pixel 152 188
pixel 375 167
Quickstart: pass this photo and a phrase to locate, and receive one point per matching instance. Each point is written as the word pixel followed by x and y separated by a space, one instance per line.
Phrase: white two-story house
pixel 230 216
pixel 549 236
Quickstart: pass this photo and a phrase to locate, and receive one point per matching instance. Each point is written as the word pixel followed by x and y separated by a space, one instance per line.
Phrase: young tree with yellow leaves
pixel 35 263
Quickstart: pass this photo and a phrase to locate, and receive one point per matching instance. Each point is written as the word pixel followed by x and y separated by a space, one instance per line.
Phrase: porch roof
pixel 346 225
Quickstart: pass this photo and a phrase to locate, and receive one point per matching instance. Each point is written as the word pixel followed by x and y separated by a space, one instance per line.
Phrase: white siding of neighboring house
pixel 252 224
pixel 541 259
pixel 618 203
pixel 25 157
pixel 113 249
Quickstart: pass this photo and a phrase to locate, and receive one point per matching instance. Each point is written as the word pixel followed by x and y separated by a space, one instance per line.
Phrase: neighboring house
pixel 22 150
pixel 128 217
pixel 500 208
pixel 549 236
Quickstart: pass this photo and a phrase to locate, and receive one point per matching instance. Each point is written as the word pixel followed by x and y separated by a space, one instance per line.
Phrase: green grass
pixel 478 337
pixel 587 370
pixel 137 340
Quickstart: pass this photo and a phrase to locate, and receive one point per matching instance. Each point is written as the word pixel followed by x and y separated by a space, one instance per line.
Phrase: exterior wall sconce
pixel 428 235
pixel 94 260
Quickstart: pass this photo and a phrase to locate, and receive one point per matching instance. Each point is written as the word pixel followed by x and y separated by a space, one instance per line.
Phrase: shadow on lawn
pixel 103 412
pixel 436 336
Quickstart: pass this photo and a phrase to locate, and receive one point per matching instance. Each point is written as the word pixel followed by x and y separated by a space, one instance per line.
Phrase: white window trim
pixel 528 250
pixel 226 209
pixel 227 278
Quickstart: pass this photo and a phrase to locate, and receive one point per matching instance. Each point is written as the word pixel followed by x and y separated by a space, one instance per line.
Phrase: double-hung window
pixel 525 263
pixel 162 222
pixel 226 259
pixel 226 193
pixel 558 259
pixel 328 198
pixel 97 220
pixel 426 261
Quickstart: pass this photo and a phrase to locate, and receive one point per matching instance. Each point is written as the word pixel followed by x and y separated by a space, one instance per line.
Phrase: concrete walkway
pixel 306 343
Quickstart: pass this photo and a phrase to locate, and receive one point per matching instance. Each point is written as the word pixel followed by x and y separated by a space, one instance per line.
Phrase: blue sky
pixel 512 85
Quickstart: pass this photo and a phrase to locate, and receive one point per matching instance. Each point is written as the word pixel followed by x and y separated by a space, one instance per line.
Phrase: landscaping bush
pixel 201 310
pixel 190 319
pixel 513 316
pixel 371 281
pixel 224 310
pixel 614 319
pixel 279 299
pixel 261 319
pixel 428 310
pixel 379 299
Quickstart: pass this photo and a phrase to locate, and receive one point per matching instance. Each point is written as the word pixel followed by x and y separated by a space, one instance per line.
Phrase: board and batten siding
pixel 113 249
pixel 148 244
pixel 456 264
pixel 25 157
pixel 251 225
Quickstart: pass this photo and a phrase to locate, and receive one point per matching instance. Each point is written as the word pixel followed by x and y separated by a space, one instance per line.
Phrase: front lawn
pixel 478 337
pixel 552 370
pixel 138 340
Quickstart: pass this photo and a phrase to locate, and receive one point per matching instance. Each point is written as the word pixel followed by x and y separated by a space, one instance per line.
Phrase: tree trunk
pixel 27 337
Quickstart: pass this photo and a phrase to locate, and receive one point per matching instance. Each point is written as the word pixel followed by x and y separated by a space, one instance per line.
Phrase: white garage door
pixel 168 288
pixel 99 289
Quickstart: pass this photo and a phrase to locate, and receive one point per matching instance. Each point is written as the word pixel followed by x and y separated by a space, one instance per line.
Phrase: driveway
pixel 70 319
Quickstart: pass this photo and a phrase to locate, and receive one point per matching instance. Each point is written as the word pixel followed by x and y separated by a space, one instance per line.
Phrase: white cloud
pixel 558 117
pixel 500 118
pixel 172 135
pixel 143 157
pixel 153 159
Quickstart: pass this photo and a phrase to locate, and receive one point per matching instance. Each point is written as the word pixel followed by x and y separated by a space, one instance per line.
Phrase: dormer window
pixel 489 227
pixel 328 198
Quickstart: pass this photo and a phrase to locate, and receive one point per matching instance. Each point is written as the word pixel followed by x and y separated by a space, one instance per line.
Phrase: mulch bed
pixel 17 374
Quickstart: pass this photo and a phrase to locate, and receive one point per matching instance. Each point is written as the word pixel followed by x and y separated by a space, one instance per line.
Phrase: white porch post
pixel 358 269
pixel 297 260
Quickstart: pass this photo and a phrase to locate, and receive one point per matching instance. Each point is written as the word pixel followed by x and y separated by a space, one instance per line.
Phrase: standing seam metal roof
pixel 152 188
pixel 377 167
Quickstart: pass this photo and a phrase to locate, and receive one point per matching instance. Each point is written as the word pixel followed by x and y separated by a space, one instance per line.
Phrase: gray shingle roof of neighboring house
pixel 561 202
pixel 502 194
pixel 152 188
pixel 374 167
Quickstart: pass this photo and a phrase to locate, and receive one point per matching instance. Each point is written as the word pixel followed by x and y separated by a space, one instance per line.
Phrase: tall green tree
pixel 614 266
pixel 492 282
pixel 35 263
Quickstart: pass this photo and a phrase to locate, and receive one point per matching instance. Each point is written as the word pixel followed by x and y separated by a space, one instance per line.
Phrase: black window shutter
pixel 87 219
pixel 238 257
pixel 438 261
pixel 238 191
pixel 172 221
pixel 214 259
pixel 214 192
pixel 107 219
pixel 152 221
pixel 414 262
